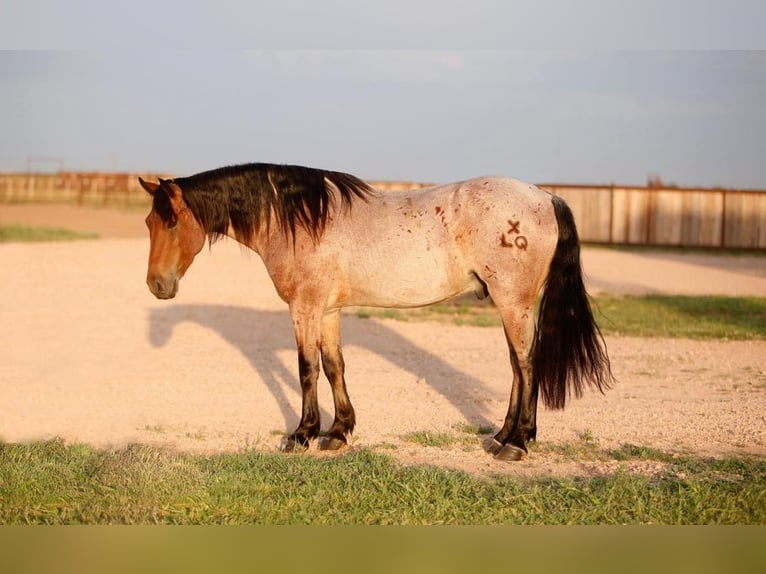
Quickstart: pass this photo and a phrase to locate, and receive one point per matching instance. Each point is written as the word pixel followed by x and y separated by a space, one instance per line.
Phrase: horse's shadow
pixel 259 335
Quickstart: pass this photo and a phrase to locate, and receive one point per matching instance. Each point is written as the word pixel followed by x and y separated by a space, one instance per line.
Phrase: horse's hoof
pixel 492 446
pixel 291 445
pixel 510 453
pixel 332 443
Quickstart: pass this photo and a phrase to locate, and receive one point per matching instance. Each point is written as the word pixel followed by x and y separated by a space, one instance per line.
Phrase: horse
pixel 329 240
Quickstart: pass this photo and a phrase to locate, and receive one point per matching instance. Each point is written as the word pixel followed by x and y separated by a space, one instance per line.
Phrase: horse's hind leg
pixel 520 425
pixel 334 367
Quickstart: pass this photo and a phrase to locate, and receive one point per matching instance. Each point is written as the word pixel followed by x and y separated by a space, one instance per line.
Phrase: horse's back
pixel 483 197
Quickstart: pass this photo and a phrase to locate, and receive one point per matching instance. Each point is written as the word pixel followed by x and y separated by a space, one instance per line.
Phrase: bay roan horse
pixel 329 240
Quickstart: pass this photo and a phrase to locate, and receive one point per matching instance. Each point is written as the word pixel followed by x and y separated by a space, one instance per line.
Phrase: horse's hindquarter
pixel 515 235
pixel 416 248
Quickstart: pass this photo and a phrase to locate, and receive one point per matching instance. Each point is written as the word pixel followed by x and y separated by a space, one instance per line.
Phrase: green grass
pixel 14 232
pixel 464 434
pixel 52 483
pixel 474 429
pixel 433 439
pixel 711 317
pixel 585 449
pixel 740 318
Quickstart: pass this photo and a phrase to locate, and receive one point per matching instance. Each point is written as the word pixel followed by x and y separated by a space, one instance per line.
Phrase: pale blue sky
pixel 541 111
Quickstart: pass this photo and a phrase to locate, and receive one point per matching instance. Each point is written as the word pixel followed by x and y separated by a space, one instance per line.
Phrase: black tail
pixel 568 346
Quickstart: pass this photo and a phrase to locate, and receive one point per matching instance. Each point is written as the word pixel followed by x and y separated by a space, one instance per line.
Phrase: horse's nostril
pixel 155 286
pixel 162 288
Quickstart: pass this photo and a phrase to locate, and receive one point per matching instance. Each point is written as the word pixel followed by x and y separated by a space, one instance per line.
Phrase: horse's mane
pixel 247 195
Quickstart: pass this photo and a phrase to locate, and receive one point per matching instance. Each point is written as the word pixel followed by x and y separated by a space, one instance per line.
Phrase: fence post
pixel 611 214
pixel 649 216
pixel 723 220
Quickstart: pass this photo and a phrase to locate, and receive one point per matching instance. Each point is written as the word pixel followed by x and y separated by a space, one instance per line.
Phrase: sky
pixel 598 111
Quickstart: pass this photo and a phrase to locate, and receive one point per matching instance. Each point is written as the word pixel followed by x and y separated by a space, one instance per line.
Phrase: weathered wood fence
pixel 667 216
pixel 621 215
pixel 83 188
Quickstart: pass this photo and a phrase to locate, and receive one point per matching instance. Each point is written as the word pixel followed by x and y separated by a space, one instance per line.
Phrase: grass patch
pixel 53 483
pixel 710 317
pixel 586 448
pixel 731 469
pixel 432 439
pixel 465 434
pixel 713 317
pixel 633 452
pixel 14 232
pixel 474 429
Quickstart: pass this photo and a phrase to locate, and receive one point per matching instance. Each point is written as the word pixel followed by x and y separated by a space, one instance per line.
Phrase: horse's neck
pixel 260 230
pixel 265 235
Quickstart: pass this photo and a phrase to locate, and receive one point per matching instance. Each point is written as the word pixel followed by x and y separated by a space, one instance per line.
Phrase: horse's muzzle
pixel 163 288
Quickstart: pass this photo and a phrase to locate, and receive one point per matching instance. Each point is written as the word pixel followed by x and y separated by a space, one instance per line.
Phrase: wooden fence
pixel 667 216
pixel 82 188
pixel 663 216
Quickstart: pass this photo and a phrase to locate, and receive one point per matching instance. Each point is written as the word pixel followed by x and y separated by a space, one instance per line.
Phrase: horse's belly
pixel 402 281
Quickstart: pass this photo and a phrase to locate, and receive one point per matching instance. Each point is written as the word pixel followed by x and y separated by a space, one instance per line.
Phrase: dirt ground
pixel 89 355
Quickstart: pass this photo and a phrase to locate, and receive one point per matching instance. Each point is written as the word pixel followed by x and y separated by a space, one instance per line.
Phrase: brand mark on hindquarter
pixel 514 229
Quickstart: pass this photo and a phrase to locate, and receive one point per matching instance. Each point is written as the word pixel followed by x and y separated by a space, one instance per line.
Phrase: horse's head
pixel 175 237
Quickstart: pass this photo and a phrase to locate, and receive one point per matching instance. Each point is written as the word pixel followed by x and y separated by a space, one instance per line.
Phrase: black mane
pixel 246 196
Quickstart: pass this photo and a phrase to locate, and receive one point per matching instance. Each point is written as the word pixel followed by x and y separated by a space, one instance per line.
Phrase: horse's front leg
pixel 334 367
pixel 307 336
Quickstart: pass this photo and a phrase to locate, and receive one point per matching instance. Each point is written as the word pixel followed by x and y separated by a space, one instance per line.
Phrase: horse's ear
pixel 176 196
pixel 149 186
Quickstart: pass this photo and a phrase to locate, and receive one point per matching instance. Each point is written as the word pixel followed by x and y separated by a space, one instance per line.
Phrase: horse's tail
pixel 569 347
